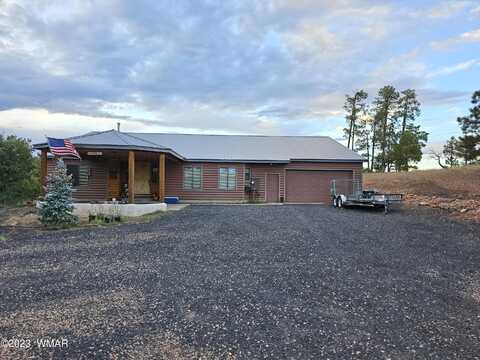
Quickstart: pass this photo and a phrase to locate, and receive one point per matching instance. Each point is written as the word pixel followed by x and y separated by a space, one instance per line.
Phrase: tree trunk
pixel 352 121
pixel 350 132
pixel 373 145
pixel 353 137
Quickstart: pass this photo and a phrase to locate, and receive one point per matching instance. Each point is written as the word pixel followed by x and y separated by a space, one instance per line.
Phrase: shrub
pixel 58 206
pixel 19 171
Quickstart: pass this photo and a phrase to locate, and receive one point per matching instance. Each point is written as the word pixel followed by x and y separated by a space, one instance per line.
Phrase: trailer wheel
pixel 339 202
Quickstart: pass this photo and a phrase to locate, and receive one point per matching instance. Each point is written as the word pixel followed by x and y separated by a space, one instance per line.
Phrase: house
pixel 293 169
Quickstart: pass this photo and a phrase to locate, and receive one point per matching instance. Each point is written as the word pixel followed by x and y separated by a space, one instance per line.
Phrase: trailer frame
pixel 350 193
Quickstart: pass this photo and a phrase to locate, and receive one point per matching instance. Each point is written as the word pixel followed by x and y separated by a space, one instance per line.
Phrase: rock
pixel 463 211
pixel 423 203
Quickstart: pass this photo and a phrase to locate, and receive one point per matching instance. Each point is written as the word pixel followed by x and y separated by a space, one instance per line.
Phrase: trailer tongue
pixel 350 193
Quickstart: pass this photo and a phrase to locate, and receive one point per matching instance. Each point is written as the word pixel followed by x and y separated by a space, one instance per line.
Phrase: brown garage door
pixel 312 185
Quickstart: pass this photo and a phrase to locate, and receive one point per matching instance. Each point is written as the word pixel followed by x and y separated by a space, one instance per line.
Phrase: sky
pixel 272 67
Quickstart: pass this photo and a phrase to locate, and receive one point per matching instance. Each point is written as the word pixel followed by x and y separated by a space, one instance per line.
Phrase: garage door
pixel 312 185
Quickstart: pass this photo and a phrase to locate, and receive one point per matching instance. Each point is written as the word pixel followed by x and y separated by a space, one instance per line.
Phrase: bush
pixel 58 206
pixel 19 171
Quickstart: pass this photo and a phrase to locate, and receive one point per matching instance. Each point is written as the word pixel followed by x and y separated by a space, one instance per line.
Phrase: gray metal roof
pixel 246 148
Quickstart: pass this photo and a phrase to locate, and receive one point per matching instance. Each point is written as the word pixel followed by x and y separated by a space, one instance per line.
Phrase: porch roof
pixel 233 148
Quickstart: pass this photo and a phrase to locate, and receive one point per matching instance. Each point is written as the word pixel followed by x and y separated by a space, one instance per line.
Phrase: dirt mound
pixel 456 190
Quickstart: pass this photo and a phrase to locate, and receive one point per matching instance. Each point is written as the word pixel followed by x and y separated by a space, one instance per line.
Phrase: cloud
pixel 270 67
pixel 447 9
pixel 475 11
pixel 448 70
pixel 440 97
pixel 464 38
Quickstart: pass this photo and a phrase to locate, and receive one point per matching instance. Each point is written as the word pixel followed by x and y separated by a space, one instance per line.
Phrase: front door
pixel 142 177
pixel 273 188
pixel 114 180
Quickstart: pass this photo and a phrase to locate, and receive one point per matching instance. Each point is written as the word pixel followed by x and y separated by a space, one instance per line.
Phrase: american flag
pixel 62 148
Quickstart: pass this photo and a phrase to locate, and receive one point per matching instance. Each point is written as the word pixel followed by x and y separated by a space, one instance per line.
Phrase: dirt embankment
pixel 456 190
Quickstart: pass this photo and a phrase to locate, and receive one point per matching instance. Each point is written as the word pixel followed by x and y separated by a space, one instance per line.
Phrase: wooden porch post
pixel 131 177
pixel 161 178
pixel 43 170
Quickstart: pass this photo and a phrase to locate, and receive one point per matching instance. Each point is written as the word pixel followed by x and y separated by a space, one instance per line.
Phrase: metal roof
pixel 245 148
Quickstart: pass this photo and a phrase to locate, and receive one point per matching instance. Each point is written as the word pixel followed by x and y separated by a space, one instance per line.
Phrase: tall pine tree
pixel 355 106
pixel 385 108
pixel 408 109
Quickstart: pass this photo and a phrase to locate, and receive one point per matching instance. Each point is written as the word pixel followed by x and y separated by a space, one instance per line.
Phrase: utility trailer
pixel 350 193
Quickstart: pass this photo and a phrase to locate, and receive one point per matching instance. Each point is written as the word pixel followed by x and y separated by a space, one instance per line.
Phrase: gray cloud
pixel 243 66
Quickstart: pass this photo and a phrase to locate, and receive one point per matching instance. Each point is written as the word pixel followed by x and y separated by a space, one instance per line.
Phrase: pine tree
pixel 407 151
pixel 449 151
pixel 468 146
pixel 408 109
pixel 364 138
pixel 466 149
pixel 355 107
pixel 385 105
pixel 58 206
pixel 471 124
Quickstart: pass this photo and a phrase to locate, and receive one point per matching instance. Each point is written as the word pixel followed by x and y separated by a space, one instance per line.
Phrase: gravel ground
pixel 247 282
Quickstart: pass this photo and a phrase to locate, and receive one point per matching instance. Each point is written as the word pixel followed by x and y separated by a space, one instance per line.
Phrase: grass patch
pixel 3 238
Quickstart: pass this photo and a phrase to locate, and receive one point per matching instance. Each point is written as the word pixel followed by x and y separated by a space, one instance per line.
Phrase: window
pixel 85 174
pixel 192 177
pixel 227 178
pixel 248 175
pixel 74 170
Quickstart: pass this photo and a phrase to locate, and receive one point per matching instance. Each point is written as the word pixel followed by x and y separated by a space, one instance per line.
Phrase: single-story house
pixel 145 167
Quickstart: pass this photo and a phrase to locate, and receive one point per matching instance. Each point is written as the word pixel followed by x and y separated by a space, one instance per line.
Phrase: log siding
pixel 96 189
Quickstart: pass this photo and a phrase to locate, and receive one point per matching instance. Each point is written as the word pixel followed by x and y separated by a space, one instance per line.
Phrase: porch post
pixel 161 178
pixel 43 170
pixel 131 177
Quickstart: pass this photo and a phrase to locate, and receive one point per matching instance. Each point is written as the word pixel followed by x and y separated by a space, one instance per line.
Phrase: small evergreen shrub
pixel 57 208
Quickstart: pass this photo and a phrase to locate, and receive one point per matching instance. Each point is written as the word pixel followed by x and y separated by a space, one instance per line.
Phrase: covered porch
pixel 128 176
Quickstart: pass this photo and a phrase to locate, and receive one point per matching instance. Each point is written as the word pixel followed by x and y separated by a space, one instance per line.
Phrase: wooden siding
pixel 96 189
pixel 259 173
pixel 210 189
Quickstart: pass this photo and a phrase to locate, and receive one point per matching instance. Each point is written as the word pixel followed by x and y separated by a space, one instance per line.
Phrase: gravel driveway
pixel 247 282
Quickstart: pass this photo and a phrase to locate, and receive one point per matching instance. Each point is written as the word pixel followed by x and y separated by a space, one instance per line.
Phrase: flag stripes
pixel 62 148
